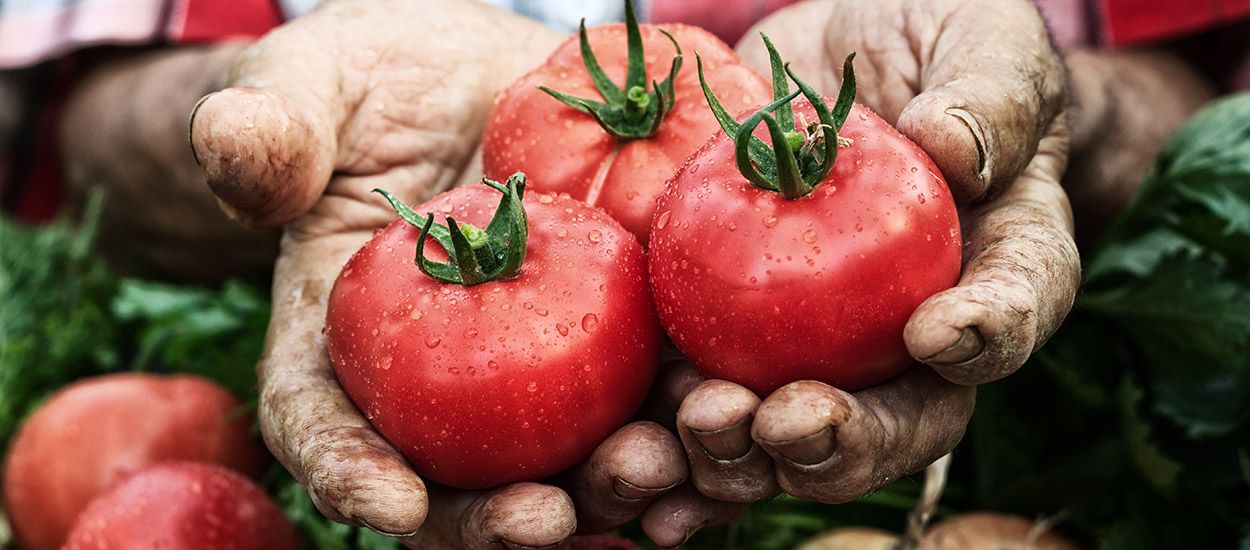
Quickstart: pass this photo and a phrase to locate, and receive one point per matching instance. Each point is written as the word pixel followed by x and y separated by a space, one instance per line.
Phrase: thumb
pixel 988 97
pixel 267 144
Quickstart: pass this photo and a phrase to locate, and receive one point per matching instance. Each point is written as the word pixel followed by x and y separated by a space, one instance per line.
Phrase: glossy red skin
pixel 762 291
pixel 505 381
pixel 98 431
pixel 564 150
pixel 184 506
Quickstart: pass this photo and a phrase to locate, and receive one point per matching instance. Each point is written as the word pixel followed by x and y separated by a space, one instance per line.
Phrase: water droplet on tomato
pixel 416 315
pixel 470 333
pixel 385 362
pixel 545 199
pixel 562 233
pixel 433 342
pixel 595 236
pixel 541 312
pixel 532 387
pixel 563 330
pixel 662 221
pixel 590 322
pixel 492 365
pixel 920 197
pixel 809 236
pixel 732 226
pixel 770 221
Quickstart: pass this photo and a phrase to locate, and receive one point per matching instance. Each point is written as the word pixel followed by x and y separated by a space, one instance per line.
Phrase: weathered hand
pixel 124 129
pixel 979 87
pixel 1125 106
pixel 392 95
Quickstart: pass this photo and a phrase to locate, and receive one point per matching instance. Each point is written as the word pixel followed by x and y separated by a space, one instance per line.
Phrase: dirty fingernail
pixel 983 167
pixel 728 443
pixel 969 345
pixel 809 449
pixel 385 532
pixel 514 546
pixel 690 531
pixel 191 127
pixel 631 491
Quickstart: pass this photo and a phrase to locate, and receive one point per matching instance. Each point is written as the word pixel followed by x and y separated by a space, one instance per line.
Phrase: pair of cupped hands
pixel 395 94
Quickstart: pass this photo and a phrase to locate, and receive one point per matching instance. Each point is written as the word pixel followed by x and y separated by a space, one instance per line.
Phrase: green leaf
pixel 1229 203
pixel 1138 257
pixel 55 324
pixel 1192 326
pixel 1161 470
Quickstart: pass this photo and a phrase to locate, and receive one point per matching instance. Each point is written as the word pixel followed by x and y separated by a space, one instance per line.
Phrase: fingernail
pixel 726 444
pixel 983 167
pixel 384 532
pixel 515 546
pixel 969 345
pixel 234 214
pixel 809 449
pixel 191 127
pixel 630 491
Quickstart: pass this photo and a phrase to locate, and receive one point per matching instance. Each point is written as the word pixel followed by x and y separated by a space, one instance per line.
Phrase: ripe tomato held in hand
pixel 515 375
pixel 98 431
pixel 566 150
pixel 815 278
pixel 184 506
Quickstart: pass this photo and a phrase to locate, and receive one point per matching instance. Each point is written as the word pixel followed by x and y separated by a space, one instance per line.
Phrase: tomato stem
pixel 799 158
pixel 475 256
pixel 632 112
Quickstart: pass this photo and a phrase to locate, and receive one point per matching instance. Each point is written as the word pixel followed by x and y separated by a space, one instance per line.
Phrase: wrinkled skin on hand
pixel 1125 106
pixel 978 86
pixel 318 113
pixel 124 129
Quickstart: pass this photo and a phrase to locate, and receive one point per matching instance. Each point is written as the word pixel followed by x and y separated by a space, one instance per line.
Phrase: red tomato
pixel 509 380
pixel 763 290
pixel 564 150
pixel 184 506
pixel 97 431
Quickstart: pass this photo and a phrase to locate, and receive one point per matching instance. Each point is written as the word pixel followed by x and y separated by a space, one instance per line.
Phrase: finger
pixel 678 515
pixel 628 471
pixel 352 474
pixel 988 93
pixel 267 143
pixel 1019 280
pixel 833 447
pixel 675 380
pixel 521 515
pixel 714 423
pixel 791 30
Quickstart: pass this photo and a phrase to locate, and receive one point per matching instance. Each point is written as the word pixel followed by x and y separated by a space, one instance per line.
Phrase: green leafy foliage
pixel 55 324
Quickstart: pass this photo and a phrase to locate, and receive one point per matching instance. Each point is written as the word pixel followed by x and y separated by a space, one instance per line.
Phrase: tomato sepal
pixel 475 256
pixel 632 112
pixel 797 160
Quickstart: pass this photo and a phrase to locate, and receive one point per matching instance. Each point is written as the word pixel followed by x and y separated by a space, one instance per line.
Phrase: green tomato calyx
pixel 475 256
pixel 798 160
